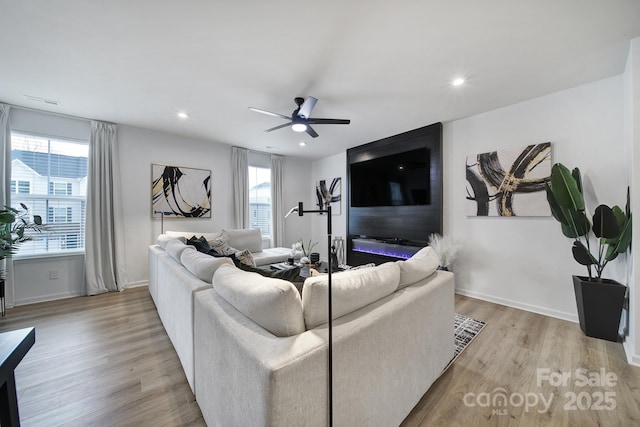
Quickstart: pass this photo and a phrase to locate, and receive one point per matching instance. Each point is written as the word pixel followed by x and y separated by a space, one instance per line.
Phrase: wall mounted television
pixel 400 179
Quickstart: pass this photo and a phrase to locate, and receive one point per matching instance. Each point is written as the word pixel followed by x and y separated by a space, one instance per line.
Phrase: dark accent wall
pixel 409 225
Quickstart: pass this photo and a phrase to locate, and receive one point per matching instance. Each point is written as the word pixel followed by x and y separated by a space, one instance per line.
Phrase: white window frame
pixel 54 239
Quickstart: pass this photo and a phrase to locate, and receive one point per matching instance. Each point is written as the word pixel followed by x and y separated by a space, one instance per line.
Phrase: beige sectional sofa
pixel 255 351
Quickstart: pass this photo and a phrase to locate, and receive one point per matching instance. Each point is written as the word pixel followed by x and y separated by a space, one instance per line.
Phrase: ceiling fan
pixel 300 120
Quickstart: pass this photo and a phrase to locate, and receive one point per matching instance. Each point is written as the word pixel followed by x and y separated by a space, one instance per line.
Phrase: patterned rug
pixel 466 329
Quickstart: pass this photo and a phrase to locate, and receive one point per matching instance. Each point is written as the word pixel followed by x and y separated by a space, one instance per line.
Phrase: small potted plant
pixel 13 224
pixel 445 248
pixel 596 242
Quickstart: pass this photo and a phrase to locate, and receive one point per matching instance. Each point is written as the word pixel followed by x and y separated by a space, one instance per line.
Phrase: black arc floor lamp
pixel 301 212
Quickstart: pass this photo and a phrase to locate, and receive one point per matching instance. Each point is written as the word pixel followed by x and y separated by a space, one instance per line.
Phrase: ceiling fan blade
pixel 279 127
pixel 329 121
pixel 312 132
pixel 306 107
pixel 269 113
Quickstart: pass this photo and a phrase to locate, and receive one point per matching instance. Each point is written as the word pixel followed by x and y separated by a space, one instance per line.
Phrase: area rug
pixel 466 329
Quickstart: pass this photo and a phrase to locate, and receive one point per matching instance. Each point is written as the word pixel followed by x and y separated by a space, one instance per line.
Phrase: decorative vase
pixel 314 257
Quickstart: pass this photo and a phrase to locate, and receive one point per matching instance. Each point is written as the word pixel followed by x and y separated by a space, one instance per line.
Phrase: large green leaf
pixel 578 224
pixel 605 224
pixel 7 217
pixel 581 254
pixel 566 189
pixel 556 209
pixel 575 173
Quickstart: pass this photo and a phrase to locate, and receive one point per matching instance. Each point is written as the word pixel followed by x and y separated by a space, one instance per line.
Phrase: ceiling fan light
pixel 299 127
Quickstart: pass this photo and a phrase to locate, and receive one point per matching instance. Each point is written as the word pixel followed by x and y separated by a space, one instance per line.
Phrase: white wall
pixel 632 140
pixel 327 168
pixel 139 148
pixel 526 262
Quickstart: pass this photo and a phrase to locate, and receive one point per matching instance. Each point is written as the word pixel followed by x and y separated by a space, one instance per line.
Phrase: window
pixel 49 175
pixel 22 187
pixel 60 188
pixel 260 199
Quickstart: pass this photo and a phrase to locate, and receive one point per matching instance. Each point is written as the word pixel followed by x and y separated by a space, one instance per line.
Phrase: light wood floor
pixel 106 360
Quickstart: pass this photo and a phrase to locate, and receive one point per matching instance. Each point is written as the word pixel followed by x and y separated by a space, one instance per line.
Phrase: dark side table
pixel 14 345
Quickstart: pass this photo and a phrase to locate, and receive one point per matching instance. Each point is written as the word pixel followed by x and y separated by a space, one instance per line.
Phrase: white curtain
pixel 239 163
pixel 104 245
pixel 277 202
pixel 5 187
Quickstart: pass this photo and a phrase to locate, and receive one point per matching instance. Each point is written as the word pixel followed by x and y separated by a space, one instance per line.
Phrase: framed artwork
pixel 330 193
pixel 509 182
pixel 180 192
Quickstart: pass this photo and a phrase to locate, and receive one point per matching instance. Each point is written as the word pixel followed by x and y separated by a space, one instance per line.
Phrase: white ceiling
pixel 385 65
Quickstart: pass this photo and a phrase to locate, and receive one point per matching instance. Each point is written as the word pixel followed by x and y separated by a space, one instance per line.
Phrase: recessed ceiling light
pixel 182 115
pixel 458 81
pixel 302 144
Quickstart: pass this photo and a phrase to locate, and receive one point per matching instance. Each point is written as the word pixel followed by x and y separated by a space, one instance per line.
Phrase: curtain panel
pixel 277 202
pixel 104 245
pixel 5 190
pixel 240 165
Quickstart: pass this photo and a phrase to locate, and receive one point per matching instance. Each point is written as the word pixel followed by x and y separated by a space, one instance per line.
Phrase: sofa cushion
pixel 421 265
pixel 350 290
pixel 175 248
pixel 163 239
pixel 245 238
pixel 271 255
pixel 273 304
pixel 202 266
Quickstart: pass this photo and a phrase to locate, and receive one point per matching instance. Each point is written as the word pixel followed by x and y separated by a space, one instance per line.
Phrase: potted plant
pixel 13 224
pixel 445 248
pixel 599 300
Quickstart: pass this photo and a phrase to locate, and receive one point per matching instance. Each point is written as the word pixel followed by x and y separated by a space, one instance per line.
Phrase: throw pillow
pixel 222 247
pixel 245 257
pixel 200 243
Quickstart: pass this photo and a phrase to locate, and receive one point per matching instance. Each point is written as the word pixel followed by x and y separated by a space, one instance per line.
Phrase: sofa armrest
pixel 248 376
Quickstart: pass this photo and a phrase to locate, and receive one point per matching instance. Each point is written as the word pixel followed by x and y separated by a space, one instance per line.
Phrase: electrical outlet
pixel 53 274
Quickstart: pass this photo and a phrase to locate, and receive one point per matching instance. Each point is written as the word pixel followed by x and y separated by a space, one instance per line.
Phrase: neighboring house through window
pixel 49 175
pixel 260 199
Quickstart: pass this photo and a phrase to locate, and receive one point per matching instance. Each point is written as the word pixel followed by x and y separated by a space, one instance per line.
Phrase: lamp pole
pixel 327 211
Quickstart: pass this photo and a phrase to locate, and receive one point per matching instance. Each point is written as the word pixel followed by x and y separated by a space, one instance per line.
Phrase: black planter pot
pixel 599 306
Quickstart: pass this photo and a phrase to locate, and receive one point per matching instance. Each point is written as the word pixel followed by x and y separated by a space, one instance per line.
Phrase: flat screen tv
pixel 400 179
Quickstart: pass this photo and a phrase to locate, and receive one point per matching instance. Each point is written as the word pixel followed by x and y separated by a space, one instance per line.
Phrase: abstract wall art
pixel 179 192
pixel 330 193
pixel 509 182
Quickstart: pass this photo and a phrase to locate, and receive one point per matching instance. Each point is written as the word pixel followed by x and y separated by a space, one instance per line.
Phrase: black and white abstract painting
pixel 179 192
pixel 329 192
pixel 509 182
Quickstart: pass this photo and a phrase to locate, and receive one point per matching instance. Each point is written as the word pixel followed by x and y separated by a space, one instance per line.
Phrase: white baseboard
pixel 633 359
pixel 137 284
pixel 519 305
pixel 51 297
